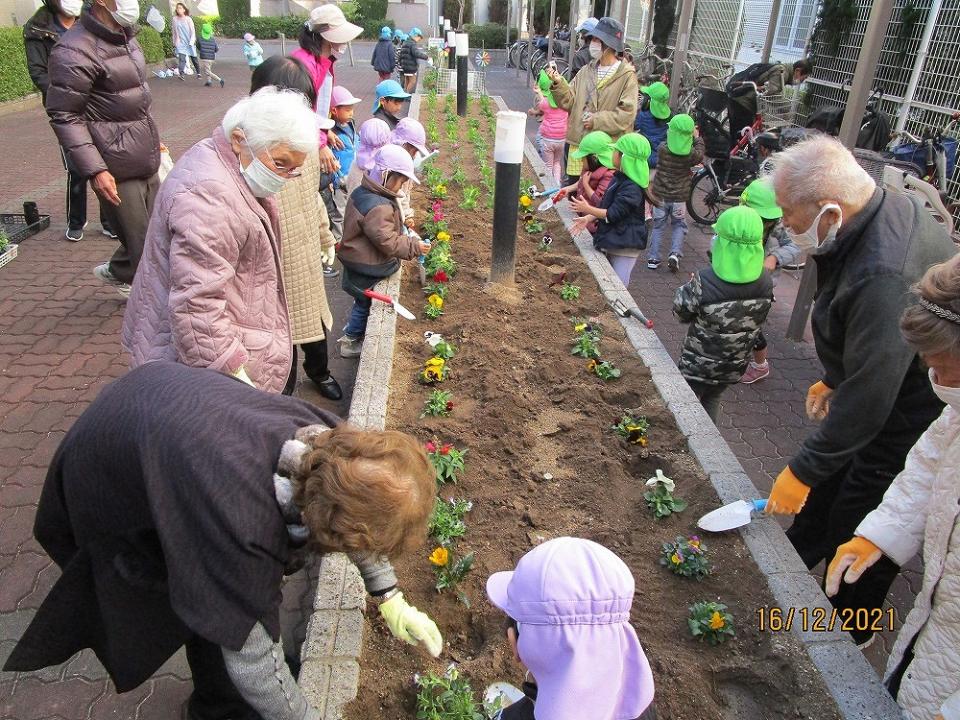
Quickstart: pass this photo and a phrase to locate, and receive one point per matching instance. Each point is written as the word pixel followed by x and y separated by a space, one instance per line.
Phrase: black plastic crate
pixel 16 228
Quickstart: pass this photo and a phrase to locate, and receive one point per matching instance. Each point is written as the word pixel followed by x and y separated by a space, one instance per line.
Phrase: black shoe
pixel 329 388
pixel 673 262
pixel 207 83
pixel 221 82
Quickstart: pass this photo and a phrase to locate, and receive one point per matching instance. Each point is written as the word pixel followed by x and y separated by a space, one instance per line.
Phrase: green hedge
pixel 152 44
pixel 233 10
pixel 489 35
pixel 14 79
pixel 264 28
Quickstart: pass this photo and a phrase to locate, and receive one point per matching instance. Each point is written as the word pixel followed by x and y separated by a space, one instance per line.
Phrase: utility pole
pixel 680 52
pixel 553 22
pixel 771 30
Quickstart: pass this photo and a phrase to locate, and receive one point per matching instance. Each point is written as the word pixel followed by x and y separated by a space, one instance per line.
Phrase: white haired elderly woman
pixel 209 292
pixel 922 508
pixel 874 400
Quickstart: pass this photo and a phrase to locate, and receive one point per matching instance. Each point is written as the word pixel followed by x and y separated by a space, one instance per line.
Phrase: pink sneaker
pixel 755 372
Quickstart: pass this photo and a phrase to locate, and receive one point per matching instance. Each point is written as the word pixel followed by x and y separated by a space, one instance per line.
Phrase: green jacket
pixel 613 104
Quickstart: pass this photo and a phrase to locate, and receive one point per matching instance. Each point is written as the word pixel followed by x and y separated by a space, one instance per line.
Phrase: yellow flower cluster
pixel 436 301
pixel 716 621
pixel 433 369
pixel 440 556
pixel 526 201
pixel 443 236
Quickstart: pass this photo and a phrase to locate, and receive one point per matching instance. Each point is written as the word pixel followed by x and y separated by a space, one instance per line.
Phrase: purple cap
pixel 410 131
pixel 391 158
pixel 572 599
pixel 374 134
pixel 342 96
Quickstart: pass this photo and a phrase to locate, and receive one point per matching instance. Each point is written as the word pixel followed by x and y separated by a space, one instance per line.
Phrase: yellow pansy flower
pixel 443 236
pixel 433 369
pixel 592 365
pixel 716 621
pixel 436 301
pixel 440 556
pixel 580 327
pixel 676 559
pixel 525 200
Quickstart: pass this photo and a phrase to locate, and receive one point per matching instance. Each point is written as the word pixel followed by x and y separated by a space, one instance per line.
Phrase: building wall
pixel 409 14
pixel 14 13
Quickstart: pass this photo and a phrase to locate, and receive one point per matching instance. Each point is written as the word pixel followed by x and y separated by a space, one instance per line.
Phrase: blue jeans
pixel 357 322
pixel 670 213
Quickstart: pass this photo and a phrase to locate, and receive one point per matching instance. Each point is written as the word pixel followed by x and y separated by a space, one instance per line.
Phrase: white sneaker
pixel 350 347
pixel 102 272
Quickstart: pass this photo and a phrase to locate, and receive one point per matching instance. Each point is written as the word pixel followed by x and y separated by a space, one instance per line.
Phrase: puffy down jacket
pixel 99 103
pixel 922 508
pixel 209 290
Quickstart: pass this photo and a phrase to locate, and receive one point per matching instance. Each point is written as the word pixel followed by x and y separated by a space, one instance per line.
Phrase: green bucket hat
pixel 206 31
pixel 760 196
pixel 596 143
pixel 680 135
pixel 543 82
pixel 738 249
pixel 636 152
pixel 659 95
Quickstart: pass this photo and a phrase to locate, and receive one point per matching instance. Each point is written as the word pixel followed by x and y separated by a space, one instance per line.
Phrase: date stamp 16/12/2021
pixel 820 619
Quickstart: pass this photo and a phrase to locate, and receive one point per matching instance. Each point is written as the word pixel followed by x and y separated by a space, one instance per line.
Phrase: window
pixel 794 24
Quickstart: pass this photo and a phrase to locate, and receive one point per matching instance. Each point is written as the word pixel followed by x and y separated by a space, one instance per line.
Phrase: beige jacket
pixel 304 232
pixel 613 105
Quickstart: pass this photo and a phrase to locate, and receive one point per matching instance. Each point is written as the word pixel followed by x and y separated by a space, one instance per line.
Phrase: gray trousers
pixel 336 202
pixel 129 221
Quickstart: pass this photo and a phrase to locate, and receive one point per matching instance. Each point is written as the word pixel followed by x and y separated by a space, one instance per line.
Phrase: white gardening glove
pixel 241 374
pixel 410 625
pixel 328 255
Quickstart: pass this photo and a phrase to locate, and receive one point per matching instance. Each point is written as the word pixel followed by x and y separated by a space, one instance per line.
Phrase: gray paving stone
pixel 853 683
pixel 321 635
pixel 344 682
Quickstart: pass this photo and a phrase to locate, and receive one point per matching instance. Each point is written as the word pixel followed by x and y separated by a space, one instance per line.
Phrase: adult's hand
pixel 410 625
pixel 858 554
pixel 770 263
pixel 588 123
pixel 328 161
pixel 334 140
pixel 818 400
pixel 788 494
pixel 106 187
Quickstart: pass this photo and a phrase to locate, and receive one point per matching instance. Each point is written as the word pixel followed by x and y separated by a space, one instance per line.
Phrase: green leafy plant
pixel 534 226
pixel 660 497
pixel 433 175
pixel 586 346
pixel 446 522
pixel 4 241
pixel 710 621
pixel 471 194
pixel 438 191
pixel 459 176
pixel 438 404
pixel 439 289
pixel 450 569
pixel 686 557
pixel 448 697
pixel 633 429
pixel 444 350
pixel 439 258
pixel 447 461
pixel 569 292
pixel 603 369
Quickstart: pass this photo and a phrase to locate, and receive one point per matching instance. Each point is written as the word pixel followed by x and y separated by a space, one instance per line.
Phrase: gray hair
pixel 270 117
pixel 821 169
pixel 933 325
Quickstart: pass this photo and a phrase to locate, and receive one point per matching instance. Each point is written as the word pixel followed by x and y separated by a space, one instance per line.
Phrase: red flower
pixel 445 450
pixel 437 205
pixel 449 405
pixel 440 276
pixel 431 447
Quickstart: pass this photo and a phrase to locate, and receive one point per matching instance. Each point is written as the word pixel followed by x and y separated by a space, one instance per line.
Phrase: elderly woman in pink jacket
pixel 209 292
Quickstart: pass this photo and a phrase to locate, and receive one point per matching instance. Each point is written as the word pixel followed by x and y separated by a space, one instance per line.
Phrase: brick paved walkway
pixel 59 331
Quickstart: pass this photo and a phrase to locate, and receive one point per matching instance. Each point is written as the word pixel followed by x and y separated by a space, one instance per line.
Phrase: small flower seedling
pixel 534 226
pixel 569 291
pixel 545 242
pixel 444 350
pixel 587 342
pixel 686 557
pixel 438 404
pixel 603 369
pixel 449 697
pixel 450 570
pixel 436 289
pixel 632 429
pixel 446 523
pixel 660 498
pixel 710 621
pixel 448 462
pixel 439 190
pixel 471 194
pixel 434 307
pixel 434 370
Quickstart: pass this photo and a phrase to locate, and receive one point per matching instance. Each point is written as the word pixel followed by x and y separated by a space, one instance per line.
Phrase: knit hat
pixel 330 22
pixel 390 89
pixel 249 37
pixel 385 33
pixel 543 82
pixel 206 31
pixel 738 248
pixel 761 196
pixel 680 134
pixel 609 32
pixel 410 131
pixel 571 599
pixel 659 95
pixel 342 96
pixel 635 149
pixel 374 134
pixel 391 158
pixel 596 143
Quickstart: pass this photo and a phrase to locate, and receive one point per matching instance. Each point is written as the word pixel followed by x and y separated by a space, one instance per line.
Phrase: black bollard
pixel 463 49
pixel 508 156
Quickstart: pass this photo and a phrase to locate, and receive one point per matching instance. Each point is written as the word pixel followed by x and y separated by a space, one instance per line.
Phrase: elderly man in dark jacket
pixel 99 105
pixel 875 399
pixel 40 34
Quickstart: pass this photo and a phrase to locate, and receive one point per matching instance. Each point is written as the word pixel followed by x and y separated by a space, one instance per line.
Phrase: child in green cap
pixel 596 155
pixel 621 233
pixel 682 150
pixel 653 117
pixel 725 304
pixel 208 53
pixel 553 128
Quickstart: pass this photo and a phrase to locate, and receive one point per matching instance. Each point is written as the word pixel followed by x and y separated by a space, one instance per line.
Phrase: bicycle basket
pixel 716 139
pixel 712 101
pixel 874 162
pixel 916 153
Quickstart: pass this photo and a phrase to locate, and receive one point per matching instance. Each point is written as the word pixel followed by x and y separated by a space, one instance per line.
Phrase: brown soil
pixel 524 406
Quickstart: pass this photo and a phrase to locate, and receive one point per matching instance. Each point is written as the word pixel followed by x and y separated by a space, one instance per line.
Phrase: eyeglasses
pixel 282 170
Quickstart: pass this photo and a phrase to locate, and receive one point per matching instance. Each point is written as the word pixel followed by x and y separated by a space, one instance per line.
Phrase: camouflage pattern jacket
pixel 724 321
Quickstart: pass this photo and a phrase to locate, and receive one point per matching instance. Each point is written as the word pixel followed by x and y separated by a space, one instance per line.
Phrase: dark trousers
pixel 837 504
pixel 77 198
pixel 214 696
pixel 315 364
pixel 708 395
pixel 129 221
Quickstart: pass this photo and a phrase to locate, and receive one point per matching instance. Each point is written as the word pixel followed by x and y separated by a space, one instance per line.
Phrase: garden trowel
pixel 553 197
pixel 736 514
pixel 401 310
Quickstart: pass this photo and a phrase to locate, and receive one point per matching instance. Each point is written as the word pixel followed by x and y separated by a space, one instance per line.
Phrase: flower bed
pixel 535 437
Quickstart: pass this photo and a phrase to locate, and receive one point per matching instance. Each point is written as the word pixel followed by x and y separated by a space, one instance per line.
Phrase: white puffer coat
pixel 922 507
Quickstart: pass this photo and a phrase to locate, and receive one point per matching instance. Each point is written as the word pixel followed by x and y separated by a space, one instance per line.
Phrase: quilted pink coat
pixel 209 289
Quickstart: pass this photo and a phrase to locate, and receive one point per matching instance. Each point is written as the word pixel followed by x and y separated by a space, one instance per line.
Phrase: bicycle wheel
pixel 524 56
pixel 513 57
pixel 538 62
pixel 704 203
pixel 563 67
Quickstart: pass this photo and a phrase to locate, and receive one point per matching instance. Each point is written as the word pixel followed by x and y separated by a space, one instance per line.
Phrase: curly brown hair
pixel 367 491
pixel 924 331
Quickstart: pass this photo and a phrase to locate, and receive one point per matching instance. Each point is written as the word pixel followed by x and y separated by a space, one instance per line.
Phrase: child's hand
pixel 579 224
pixel 581 206
pixel 334 140
pixel 424 247
pixel 410 223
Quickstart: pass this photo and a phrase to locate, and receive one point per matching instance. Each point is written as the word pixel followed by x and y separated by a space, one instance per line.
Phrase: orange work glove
pixel 818 400
pixel 788 494
pixel 857 555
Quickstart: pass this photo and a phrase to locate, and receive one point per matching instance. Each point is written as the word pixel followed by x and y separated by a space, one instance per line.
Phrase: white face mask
pixel 596 49
pixel 261 180
pixel 71 7
pixel 127 12
pixel 338 51
pixel 810 238
pixel 949 395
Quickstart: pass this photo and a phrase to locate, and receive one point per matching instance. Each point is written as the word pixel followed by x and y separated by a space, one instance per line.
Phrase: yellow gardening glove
pixel 788 494
pixel 857 555
pixel 241 374
pixel 818 400
pixel 410 625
